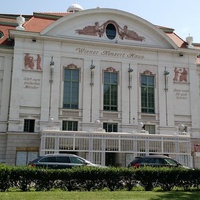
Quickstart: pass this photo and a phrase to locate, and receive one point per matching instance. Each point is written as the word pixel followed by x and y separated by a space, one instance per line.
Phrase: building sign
pixel 31 83
pixel 130 55
pixel 181 93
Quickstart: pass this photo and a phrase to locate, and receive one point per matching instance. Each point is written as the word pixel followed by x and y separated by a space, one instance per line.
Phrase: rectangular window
pixel 70 126
pixel 29 125
pixel 147 94
pixel 71 89
pixel 150 128
pixel 110 91
pixel 110 127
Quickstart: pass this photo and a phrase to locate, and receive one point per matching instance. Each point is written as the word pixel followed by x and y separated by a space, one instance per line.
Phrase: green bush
pixel 4 177
pixel 93 178
pixel 21 177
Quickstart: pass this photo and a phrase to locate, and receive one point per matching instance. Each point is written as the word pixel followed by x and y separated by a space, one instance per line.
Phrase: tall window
pixel 70 126
pixel 147 94
pixel 110 91
pixel 110 127
pixel 29 125
pixel 71 88
pixel 150 128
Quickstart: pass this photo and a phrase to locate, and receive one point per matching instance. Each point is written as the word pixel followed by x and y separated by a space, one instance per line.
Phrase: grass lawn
pixel 101 195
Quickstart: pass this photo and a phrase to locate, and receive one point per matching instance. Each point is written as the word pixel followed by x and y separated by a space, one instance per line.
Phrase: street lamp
pixel 51 65
pixel 166 73
pixel 130 70
pixel 92 68
pixel 51 69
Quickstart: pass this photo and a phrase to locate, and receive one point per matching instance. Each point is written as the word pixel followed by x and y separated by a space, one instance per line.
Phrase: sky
pixel 181 15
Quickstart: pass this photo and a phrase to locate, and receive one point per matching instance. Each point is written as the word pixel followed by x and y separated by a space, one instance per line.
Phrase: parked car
pixel 155 161
pixel 61 161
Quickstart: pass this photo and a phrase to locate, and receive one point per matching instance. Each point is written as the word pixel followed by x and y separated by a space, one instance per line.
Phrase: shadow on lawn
pixel 177 195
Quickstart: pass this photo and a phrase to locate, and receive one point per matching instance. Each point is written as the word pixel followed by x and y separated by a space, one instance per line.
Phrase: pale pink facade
pixel 31 90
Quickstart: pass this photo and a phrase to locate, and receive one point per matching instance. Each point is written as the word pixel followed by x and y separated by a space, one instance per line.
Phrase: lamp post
pixel 166 73
pixel 130 70
pixel 51 65
pixel 92 68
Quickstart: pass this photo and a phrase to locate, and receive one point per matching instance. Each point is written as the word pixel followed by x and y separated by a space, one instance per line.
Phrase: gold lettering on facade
pixel 181 93
pixel 31 83
pixel 109 53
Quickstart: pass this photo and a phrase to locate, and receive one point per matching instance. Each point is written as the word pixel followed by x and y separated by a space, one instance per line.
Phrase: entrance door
pixel 110 159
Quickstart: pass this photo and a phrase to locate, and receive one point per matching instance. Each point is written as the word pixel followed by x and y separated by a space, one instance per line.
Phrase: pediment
pixel 92 25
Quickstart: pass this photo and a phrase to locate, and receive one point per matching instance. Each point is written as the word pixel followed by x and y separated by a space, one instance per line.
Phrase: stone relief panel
pixel 180 74
pixel 32 62
pixel 99 30
pixel 181 91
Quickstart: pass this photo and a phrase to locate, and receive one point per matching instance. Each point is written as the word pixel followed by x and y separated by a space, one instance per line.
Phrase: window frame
pixel 150 128
pixel 74 125
pixel 148 97
pixel 111 31
pixel 110 99
pixel 70 95
pixel 110 126
pixel 29 125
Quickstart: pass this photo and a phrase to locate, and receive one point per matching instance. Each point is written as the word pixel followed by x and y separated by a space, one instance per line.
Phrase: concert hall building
pixel 101 83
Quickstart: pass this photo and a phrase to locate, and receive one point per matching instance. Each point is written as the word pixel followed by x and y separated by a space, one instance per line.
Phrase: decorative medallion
pixel 71 66
pixel 110 69
pixel 147 72
pixel 99 30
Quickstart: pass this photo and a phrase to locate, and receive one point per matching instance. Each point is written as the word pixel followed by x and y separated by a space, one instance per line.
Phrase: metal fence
pixel 129 145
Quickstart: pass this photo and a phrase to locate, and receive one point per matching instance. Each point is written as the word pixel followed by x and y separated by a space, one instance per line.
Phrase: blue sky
pixel 181 15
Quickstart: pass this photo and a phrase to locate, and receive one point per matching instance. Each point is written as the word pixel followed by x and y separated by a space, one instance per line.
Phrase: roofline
pixel 36 35
pixel 7 49
pixel 166 29
pixel 46 15
pixel 9 23
pixel 13 16
pixel 114 11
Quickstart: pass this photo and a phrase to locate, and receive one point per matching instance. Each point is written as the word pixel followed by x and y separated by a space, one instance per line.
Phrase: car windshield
pixel 171 162
pixel 79 160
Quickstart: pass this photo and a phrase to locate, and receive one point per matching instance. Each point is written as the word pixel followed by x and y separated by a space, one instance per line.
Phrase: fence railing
pixel 97 144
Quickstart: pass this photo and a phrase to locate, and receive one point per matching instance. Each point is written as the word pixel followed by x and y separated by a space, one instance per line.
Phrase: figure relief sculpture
pixel 124 33
pixel 180 74
pixel 38 61
pixel 176 74
pixel 183 76
pixel 28 61
pixel 32 62
pixel 99 30
pixel 95 30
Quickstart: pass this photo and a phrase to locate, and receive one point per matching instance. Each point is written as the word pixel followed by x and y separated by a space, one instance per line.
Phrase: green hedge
pixel 93 178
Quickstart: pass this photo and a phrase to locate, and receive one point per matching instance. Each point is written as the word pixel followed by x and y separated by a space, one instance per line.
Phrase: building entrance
pixel 111 159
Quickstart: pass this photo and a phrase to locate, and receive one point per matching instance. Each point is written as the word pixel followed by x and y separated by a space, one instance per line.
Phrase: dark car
pixel 60 161
pixel 155 161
